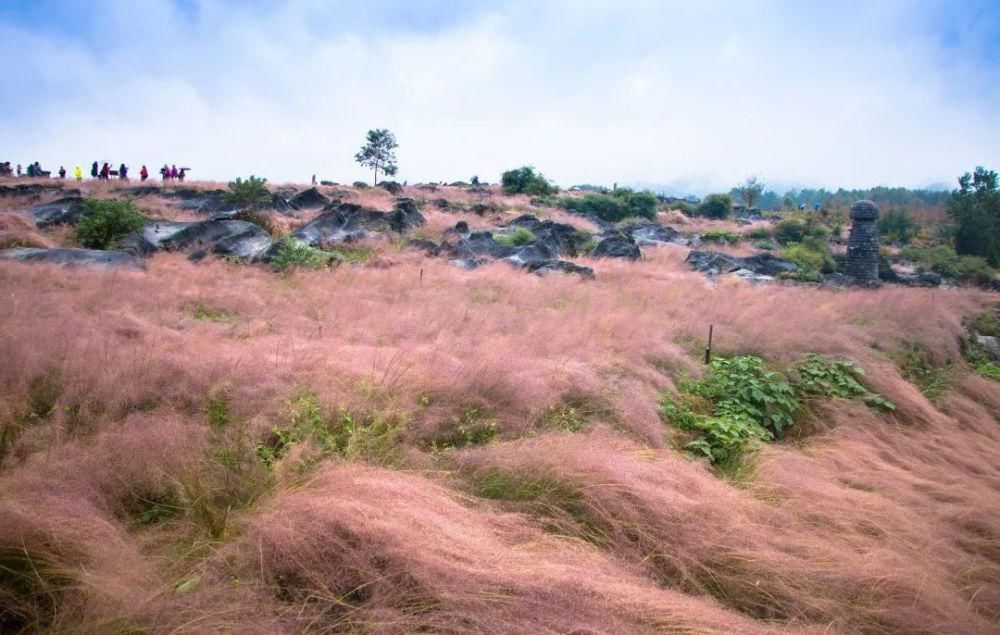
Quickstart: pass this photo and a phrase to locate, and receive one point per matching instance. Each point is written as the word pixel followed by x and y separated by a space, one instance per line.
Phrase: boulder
pixel 990 346
pixel 428 247
pixel 752 277
pixel 309 199
pixel 137 245
pixel 767 264
pixel 468 263
pixel 714 263
pixel 616 246
pixel 74 257
pixel 561 266
pixel 226 237
pixel 559 238
pixel 652 233
pixel 61 211
pixel 927 279
pixel 211 202
pixel 343 222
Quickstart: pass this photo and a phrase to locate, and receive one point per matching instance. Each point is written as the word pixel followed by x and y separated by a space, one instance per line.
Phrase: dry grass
pixel 132 495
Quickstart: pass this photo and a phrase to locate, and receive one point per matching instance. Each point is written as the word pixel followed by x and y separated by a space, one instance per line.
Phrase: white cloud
pixel 587 92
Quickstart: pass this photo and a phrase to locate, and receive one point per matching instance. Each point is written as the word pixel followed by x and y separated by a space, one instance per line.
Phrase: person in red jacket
pixel 105 172
pixel 143 174
pixel 173 172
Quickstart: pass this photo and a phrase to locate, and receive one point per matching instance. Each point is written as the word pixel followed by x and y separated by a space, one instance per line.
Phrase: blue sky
pixel 697 95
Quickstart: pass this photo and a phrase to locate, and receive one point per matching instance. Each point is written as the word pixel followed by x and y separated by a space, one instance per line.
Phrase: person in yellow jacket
pixel 78 173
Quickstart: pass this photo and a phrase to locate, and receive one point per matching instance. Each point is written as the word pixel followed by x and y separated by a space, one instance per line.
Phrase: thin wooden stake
pixel 708 349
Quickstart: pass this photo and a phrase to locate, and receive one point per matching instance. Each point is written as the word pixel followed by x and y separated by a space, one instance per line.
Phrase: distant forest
pixel 882 196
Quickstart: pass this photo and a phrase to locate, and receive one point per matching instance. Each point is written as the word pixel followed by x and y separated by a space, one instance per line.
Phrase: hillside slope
pixel 402 444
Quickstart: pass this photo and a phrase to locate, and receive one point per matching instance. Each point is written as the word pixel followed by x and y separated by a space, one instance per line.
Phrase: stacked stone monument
pixel 862 246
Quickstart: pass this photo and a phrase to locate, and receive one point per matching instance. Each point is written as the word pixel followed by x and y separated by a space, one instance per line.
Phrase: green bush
pixel 688 209
pixel 715 206
pixel 794 230
pixel 897 226
pixel 292 253
pixel 603 206
pixel 520 236
pixel 813 259
pixel 916 366
pixel 249 195
pixel 258 218
pixel 740 402
pixel 720 236
pixel 760 232
pixel 105 222
pixel 360 185
pixel 642 204
pixel 942 259
pixel 620 204
pixel 525 180
pixel 830 378
pixel 372 437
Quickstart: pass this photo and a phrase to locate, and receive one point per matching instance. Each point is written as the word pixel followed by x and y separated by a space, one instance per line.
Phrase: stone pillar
pixel 862 246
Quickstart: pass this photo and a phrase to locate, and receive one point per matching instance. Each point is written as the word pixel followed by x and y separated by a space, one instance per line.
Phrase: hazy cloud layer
pixel 698 94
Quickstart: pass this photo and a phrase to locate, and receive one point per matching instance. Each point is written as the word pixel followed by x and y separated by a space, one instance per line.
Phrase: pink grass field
pixel 132 497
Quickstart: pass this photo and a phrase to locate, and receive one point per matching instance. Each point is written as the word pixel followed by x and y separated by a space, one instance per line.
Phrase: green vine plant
pixel 740 402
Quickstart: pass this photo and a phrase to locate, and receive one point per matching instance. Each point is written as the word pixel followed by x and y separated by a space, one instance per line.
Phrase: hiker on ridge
pixel 143 174
pixel 173 172
pixel 93 170
pixel 78 173
pixel 180 175
pixel 123 172
pixel 62 172
pixel 105 172
pixel 165 172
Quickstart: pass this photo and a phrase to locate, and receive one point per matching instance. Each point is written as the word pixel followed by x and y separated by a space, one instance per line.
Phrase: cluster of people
pixel 171 173
pixel 34 169
pixel 101 172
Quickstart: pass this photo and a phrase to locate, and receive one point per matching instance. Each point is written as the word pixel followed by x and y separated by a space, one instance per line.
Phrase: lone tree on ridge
pixel 750 191
pixel 379 152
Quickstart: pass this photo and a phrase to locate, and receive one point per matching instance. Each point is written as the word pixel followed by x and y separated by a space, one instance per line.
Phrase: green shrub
pixel 760 232
pixel 258 218
pixel 360 185
pixel 473 427
pixel 740 402
pixel 292 253
pixel 917 367
pixel 603 206
pixel 975 269
pixel 986 323
pixel 369 436
pixel 105 222
pixel 812 259
pixel 201 310
pixel 897 226
pixel 720 236
pixel 766 245
pixel 715 206
pixel 520 236
pixel 830 378
pixel 620 204
pixel 688 209
pixel 794 230
pixel 942 259
pixel 525 180
pixel 642 204
pixel 249 195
